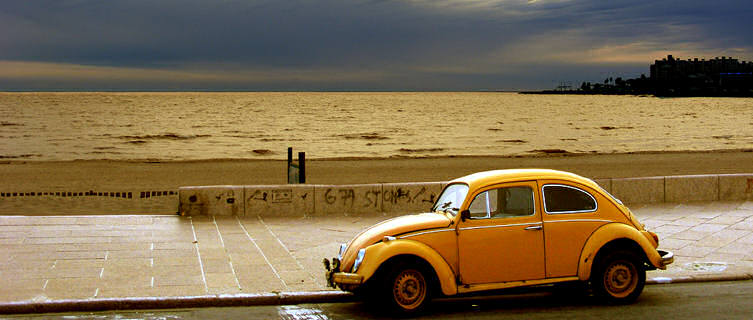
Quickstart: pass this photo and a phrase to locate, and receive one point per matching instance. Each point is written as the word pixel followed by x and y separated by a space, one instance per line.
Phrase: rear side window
pixel 566 199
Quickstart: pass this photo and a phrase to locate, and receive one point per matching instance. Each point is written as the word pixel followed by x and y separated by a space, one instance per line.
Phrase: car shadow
pixel 513 303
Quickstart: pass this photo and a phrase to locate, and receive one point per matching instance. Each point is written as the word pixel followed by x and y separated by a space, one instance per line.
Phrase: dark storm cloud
pixel 259 33
pixel 359 44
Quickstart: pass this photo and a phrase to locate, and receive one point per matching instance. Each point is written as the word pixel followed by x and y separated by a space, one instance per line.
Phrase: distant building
pixel 716 77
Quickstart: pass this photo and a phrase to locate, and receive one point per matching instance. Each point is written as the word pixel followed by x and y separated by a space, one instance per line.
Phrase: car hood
pixel 393 227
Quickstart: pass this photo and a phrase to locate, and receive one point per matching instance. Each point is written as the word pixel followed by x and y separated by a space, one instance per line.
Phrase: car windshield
pixel 451 199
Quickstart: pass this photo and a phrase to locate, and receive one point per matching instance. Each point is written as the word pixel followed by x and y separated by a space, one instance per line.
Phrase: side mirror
pixel 465 214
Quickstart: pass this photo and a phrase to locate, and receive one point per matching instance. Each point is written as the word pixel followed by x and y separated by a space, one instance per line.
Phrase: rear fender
pixel 611 232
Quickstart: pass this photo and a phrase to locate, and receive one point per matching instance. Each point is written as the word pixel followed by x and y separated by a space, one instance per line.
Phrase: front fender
pixel 378 253
pixel 614 231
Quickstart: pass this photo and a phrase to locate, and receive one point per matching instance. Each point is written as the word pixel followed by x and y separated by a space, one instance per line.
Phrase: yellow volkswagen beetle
pixel 502 229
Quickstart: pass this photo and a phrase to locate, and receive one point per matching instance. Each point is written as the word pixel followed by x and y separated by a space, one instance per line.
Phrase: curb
pixel 700 278
pixel 90 305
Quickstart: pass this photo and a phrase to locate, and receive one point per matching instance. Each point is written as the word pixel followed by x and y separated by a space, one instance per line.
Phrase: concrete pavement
pixel 57 263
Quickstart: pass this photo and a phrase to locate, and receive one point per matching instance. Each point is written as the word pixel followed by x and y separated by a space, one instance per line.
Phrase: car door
pixel 502 240
pixel 571 214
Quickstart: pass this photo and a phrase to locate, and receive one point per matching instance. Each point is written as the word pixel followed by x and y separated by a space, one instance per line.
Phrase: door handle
pixel 536 227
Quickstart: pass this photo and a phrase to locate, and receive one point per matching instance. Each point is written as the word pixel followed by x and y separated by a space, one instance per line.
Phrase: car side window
pixel 566 199
pixel 503 203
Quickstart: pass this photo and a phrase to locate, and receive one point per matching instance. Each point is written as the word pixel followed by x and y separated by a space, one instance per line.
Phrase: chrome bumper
pixel 345 278
pixel 667 257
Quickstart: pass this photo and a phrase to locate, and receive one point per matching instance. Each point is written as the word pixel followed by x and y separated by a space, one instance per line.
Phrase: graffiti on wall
pixel 314 200
pixel 400 195
pixel 347 197
pixel 374 198
pixel 227 196
pixel 274 196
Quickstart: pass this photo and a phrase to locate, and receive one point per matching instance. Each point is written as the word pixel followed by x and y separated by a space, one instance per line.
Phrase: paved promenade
pixel 49 259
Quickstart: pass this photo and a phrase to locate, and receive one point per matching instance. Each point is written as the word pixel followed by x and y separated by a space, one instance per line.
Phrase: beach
pixel 30 176
pixel 87 153
pixel 101 186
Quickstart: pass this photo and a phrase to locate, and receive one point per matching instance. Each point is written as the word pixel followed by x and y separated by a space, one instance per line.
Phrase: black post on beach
pixel 292 168
pixel 301 167
pixel 296 170
pixel 290 159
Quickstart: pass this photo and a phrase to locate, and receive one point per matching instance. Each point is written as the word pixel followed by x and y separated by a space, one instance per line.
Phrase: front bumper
pixel 348 279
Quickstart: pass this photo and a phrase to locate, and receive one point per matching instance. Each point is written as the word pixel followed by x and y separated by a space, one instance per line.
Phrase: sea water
pixel 253 125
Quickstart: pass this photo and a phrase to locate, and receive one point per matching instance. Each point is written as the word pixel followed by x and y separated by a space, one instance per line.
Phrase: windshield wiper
pixel 446 206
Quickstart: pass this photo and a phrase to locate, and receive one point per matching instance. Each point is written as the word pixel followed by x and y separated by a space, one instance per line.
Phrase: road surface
pixel 710 300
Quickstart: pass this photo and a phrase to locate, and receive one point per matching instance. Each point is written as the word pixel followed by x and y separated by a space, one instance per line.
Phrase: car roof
pixel 484 178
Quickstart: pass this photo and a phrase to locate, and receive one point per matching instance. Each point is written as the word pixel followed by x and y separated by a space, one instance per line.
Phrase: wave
pixel 406 150
pixel 550 151
pixel 20 156
pixel 263 152
pixel 614 128
pixel 166 136
pixel 364 136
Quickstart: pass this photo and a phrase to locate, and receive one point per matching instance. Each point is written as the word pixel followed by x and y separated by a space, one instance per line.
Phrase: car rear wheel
pixel 406 289
pixel 618 277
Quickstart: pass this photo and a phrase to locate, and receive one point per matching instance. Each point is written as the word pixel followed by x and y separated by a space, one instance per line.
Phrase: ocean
pixel 262 125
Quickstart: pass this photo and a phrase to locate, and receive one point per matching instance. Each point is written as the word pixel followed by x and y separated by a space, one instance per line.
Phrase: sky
pixel 355 45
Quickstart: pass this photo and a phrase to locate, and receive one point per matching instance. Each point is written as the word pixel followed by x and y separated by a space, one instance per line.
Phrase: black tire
pixel 405 288
pixel 618 277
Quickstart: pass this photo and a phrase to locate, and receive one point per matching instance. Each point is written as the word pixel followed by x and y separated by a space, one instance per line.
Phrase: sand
pixel 20 176
pixel 163 177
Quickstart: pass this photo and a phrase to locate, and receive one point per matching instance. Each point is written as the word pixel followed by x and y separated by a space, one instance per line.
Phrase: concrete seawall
pixel 308 200
pixel 390 198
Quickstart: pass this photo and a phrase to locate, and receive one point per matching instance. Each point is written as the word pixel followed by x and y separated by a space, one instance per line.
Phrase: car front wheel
pixel 406 289
pixel 618 277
